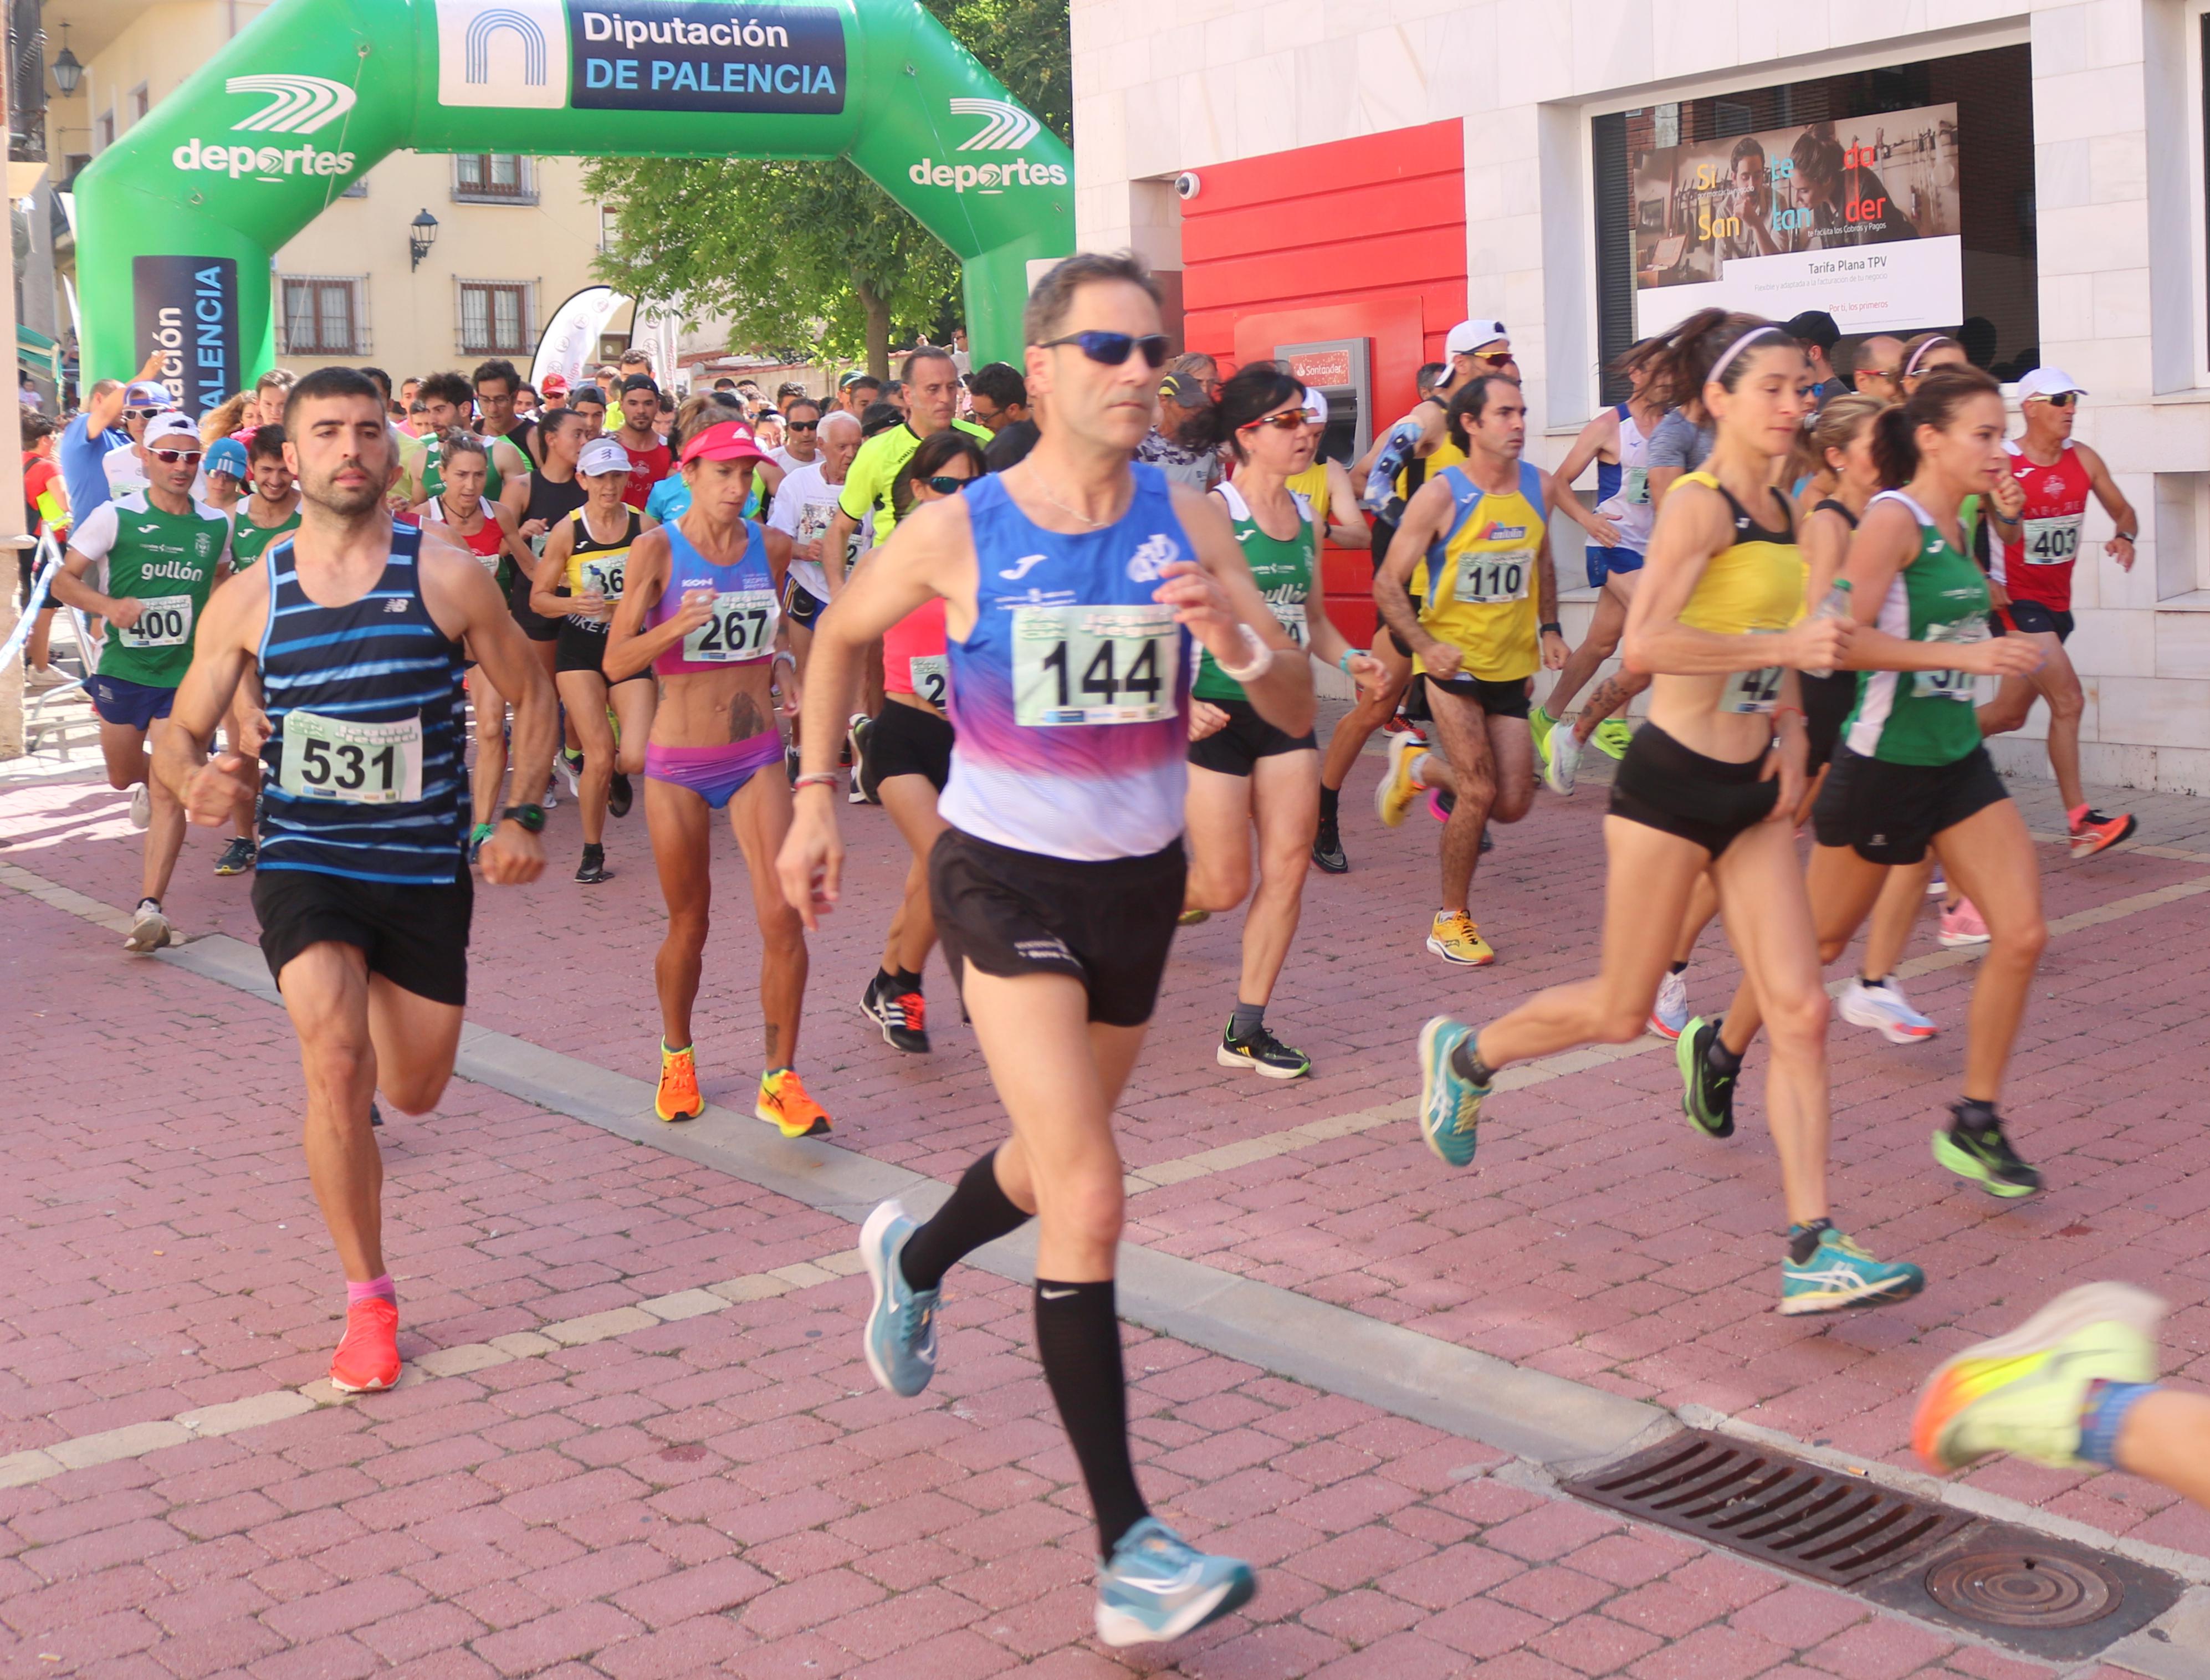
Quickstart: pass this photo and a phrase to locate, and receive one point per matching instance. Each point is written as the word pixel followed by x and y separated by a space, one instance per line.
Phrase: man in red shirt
pixel 2037 550
pixel 45 507
pixel 649 458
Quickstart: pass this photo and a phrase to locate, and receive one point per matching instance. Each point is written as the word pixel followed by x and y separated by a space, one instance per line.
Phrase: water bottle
pixel 1836 605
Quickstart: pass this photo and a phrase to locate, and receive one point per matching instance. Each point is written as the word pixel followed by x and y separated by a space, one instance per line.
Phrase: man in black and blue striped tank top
pixel 355 627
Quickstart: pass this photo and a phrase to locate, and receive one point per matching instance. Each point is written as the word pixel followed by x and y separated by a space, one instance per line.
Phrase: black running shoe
pixel 239 857
pixel 1265 1054
pixel 620 795
pixel 875 1004
pixel 1706 1096
pixel 375 1114
pixel 1328 848
pixel 593 869
pixel 905 1025
pixel 1984 1155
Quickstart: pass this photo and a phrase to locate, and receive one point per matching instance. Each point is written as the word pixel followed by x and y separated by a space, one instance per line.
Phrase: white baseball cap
pixel 1315 406
pixel 2048 381
pixel 602 455
pixel 162 428
pixel 1471 338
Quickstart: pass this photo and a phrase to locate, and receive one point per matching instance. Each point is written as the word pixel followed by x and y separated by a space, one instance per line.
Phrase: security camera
pixel 1187 185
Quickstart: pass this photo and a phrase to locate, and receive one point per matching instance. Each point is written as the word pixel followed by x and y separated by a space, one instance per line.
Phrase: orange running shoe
pixel 784 1100
pixel 367 1360
pixel 677 1097
pixel 2092 831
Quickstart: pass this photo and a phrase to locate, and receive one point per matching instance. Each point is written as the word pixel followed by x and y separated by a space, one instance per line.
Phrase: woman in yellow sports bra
pixel 1709 783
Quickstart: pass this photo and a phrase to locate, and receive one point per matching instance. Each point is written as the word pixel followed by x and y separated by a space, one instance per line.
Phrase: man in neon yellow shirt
pixel 932 386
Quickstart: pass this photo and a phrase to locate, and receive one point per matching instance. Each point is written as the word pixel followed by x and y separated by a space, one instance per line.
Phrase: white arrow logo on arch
pixel 1010 127
pixel 299 105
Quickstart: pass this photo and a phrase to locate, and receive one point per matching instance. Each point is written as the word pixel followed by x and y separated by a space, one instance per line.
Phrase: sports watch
pixel 531 817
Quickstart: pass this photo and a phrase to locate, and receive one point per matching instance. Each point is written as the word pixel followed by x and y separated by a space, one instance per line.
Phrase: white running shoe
pixel 1672 1013
pixel 1564 763
pixel 141 807
pixel 150 928
pixel 1937 883
pixel 1885 1007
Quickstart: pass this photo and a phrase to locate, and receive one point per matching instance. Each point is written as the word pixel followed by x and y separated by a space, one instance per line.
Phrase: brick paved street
pixel 639 1441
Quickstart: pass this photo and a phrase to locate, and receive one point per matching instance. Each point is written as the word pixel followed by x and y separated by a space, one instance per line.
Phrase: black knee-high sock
pixel 1078 1339
pixel 978 1212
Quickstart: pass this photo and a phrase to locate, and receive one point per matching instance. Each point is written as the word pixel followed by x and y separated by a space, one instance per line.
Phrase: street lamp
pixel 422 234
pixel 67 71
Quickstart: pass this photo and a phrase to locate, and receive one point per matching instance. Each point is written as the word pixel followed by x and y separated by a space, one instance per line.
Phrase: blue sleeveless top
pixel 364 699
pixel 1071 696
pixel 746 606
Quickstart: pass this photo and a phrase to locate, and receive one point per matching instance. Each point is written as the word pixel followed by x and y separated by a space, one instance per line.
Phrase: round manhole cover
pixel 2019 1589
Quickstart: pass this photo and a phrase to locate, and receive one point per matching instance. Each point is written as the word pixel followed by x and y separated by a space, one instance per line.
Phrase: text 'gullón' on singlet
pixel 1070 694
pixel 1480 586
pixel 364 777
pixel 747 608
pixel 1282 567
pixel 1923 717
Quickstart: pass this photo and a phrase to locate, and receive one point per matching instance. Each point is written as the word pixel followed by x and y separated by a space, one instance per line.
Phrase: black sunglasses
pixel 1111 349
pixel 945 485
pixel 2061 399
pixel 802 426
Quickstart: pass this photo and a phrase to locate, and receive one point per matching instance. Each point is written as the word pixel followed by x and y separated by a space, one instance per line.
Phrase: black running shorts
pixel 1108 924
pixel 1661 784
pixel 414 936
pixel 1498 699
pixel 905 740
pixel 1244 739
pixel 1826 702
pixel 578 648
pixel 2030 617
pixel 1886 814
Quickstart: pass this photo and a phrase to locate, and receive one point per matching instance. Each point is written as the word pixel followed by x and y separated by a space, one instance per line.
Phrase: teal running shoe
pixel 901 1332
pixel 1157 1586
pixel 1707 1096
pixel 1839 1274
pixel 1450 1104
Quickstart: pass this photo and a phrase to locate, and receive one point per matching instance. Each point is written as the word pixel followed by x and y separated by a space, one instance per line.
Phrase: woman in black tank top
pixel 1843 441
pixel 555 492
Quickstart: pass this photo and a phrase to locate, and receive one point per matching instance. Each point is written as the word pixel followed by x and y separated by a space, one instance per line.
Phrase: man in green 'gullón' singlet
pixel 273 509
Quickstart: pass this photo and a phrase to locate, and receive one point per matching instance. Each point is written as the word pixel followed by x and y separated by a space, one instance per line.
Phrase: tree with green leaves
pixel 814 258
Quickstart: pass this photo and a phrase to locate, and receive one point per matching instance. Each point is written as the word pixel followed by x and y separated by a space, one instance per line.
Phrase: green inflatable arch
pixel 179 221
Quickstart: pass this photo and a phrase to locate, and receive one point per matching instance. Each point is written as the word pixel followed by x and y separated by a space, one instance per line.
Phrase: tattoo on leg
pixel 1611 694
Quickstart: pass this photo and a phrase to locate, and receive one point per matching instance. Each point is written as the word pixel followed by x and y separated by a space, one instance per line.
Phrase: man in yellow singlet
pixel 1475 534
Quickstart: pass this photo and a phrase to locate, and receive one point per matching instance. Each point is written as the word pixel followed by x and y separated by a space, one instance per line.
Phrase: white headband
pixel 1735 349
pixel 1933 343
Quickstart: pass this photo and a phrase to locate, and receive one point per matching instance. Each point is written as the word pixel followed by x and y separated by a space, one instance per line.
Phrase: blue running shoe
pixel 1450 1104
pixel 1840 1274
pixel 900 1334
pixel 1157 1586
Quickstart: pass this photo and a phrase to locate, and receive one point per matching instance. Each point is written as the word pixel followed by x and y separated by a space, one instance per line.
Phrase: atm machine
pixel 1342 370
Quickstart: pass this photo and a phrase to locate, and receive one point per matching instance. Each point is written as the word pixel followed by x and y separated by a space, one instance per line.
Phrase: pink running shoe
pixel 1961 926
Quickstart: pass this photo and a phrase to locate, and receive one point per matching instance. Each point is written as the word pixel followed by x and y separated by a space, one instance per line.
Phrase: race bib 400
pixel 164 621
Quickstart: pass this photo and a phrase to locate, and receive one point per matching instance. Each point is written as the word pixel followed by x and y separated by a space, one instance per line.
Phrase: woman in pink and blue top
pixel 701 610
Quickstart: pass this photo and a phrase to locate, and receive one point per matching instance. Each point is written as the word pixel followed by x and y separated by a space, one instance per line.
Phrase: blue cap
pixel 226 455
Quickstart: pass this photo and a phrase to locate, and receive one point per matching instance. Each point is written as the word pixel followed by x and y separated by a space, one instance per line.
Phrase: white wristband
pixel 1262 659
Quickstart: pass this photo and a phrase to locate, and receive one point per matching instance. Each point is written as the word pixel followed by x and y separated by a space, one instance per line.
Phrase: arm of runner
pixel 1214 597
pixel 1422 525
pixel 1825 546
pixel 630 647
pixel 835 543
pixel 2114 503
pixel 1434 414
pixel 221 655
pixel 511 542
pixel 1552 642
pixel 89 545
pixel 1346 520
pixel 466 604
pixel 1791 750
pixel 1361 467
pixel 1330 645
pixel 513 478
pixel 931 553
pixel 778 556
pixel 1598 439
pixel 1885 543
pixel 550 570
pixel 1691 529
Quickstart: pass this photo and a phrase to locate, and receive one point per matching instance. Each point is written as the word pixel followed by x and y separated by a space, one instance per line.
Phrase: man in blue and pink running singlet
pixel 1073 586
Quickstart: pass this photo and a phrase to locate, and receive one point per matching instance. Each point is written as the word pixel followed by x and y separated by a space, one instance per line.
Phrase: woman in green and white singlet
pixel 1910 773
pixel 1244 772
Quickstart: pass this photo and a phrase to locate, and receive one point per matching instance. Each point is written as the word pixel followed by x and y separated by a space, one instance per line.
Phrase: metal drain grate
pixel 2059 1602
pixel 1835 1528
